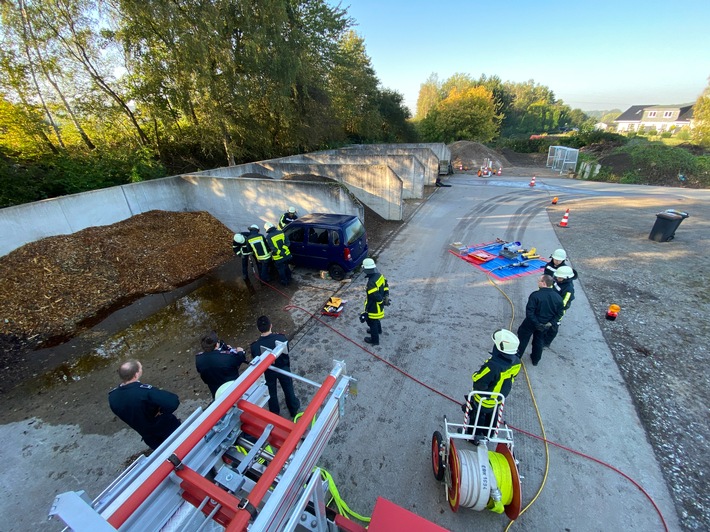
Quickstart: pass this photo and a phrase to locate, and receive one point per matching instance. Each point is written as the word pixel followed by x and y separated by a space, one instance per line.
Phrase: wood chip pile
pixel 52 288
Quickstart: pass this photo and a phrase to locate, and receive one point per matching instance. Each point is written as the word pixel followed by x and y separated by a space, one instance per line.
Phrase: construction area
pixel 621 403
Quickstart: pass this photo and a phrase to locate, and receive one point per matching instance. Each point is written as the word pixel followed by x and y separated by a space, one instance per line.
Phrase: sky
pixel 600 55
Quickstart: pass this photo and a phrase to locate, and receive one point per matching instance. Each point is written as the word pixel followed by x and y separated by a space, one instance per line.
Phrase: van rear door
pixel 356 240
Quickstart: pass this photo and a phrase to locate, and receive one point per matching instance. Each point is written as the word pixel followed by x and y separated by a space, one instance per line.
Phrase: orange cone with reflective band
pixel 532 182
pixel 554 200
pixel 565 219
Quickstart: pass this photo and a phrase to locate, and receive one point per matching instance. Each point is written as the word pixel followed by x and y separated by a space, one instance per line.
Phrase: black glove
pixel 539 327
pixel 386 301
pixel 363 317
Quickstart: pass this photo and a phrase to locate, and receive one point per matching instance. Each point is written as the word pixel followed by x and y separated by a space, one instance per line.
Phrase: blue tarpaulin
pixel 499 267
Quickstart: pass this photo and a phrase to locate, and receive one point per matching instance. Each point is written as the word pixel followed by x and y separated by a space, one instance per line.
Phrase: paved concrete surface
pixel 438 331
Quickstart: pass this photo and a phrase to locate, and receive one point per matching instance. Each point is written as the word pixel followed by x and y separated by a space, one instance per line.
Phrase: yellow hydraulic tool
pixel 531 254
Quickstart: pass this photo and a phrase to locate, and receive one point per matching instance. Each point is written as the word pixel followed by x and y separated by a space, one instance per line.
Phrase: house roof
pixel 686 113
pixel 632 114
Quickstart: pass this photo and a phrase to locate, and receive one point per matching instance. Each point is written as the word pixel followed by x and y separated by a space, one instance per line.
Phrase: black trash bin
pixel 666 224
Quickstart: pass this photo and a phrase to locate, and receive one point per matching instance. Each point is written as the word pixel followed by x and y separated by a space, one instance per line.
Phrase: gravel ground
pixel 660 338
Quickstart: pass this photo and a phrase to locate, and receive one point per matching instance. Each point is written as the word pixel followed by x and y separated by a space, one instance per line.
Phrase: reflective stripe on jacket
pixel 376 289
pixel 490 378
pixel 258 244
pixel 278 245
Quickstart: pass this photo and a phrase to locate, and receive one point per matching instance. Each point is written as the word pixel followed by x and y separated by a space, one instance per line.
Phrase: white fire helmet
pixel 506 341
pixel 292 210
pixel 368 264
pixel 564 272
pixel 239 238
pixel 559 254
pixel 267 226
pixel 254 226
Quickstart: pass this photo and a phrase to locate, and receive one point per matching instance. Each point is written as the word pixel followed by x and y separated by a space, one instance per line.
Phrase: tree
pixel 701 116
pixel 395 118
pixel 467 115
pixel 429 96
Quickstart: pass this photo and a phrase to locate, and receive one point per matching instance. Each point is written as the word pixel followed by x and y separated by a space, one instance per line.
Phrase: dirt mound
pixel 57 286
pixel 474 154
pixel 620 163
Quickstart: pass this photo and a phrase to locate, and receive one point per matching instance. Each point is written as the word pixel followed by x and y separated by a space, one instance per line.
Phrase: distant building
pixel 655 117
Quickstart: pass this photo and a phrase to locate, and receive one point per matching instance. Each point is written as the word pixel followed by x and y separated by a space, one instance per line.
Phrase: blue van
pixel 333 242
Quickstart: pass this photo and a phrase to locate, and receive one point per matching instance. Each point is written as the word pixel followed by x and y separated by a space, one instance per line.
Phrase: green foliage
pixel 587 136
pixel 527 145
pixel 701 115
pixel 57 175
pixel 462 115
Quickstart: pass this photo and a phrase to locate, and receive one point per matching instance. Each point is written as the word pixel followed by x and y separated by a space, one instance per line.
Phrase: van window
pixel 318 235
pixel 335 237
pixel 354 231
pixel 296 235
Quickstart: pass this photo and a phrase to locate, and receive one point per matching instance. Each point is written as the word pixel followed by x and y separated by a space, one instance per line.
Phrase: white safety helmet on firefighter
pixel 559 254
pixel 368 264
pixel 268 226
pixel 506 341
pixel 564 272
pixel 292 210
pixel 239 238
pixel 254 226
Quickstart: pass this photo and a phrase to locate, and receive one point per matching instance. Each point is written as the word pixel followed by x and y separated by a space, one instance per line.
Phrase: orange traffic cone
pixel 554 200
pixel 565 219
pixel 500 170
pixel 532 181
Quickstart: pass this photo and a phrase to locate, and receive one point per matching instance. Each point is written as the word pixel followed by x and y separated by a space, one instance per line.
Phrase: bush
pixel 592 136
pixel 50 176
pixel 527 145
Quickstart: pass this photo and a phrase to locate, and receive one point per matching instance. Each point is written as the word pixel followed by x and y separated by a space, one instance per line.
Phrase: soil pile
pixel 471 155
pixel 57 286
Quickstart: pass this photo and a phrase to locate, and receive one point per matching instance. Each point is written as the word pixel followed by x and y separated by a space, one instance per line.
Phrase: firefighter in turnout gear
pixel 497 374
pixel 377 298
pixel 565 287
pixel 286 218
pixel 242 249
pixel 278 245
pixel 257 242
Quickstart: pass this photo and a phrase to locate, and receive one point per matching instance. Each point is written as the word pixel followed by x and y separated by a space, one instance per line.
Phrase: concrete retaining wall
pixel 428 154
pixel 237 203
pixel 379 176
pixel 407 167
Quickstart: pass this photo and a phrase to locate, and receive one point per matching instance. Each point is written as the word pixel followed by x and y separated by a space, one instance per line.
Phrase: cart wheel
pixel 437 460
pixel 453 490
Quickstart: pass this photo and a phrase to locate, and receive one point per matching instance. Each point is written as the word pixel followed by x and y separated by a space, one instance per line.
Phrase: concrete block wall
pixel 428 154
pixel 238 203
pixel 375 176
pixel 407 167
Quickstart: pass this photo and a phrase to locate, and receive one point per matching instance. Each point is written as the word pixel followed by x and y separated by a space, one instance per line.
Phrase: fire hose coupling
pixel 177 463
pixel 244 504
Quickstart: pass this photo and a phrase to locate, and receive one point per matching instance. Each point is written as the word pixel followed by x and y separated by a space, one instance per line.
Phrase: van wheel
pixel 336 272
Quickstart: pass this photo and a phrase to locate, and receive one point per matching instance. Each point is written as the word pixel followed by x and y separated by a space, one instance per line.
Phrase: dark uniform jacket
pixel 219 366
pixel 544 306
pixel 257 242
pixel 270 342
pixel 287 218
pixel 566 290
pixel 147 410
pixel 377 292
pixel 497 374
pixel 278 244
pixel 244 249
